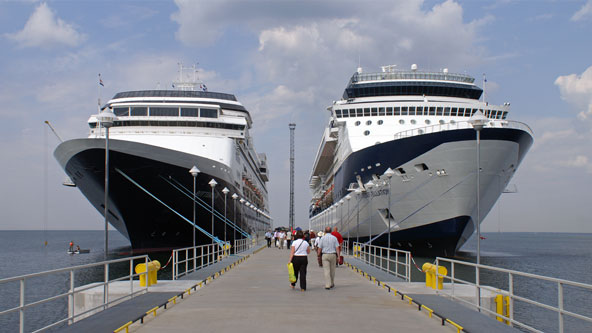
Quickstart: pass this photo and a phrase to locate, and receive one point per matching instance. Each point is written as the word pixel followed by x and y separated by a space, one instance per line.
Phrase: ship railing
pixel 80 273
pixel 516 295
pixel 450 126
pixel 190 259
pixel 393 261
pixel 243 244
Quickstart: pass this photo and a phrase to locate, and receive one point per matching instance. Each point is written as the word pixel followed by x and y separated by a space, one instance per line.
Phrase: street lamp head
pixel 225 190
pixel 235 196
pixel 389 173
pixel 348 197
pixel 478 120
pixel 242 200
pixel 194 171
pixel 213 183
pixel 106 118
pixel 369 185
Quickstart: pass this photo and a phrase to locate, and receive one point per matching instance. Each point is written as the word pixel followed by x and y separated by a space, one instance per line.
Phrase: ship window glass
pixel 401 121
pixel 369 122
pixel 441 122
pixel 165 112
pixel 397 111
pixel 419 111
pixel 413 121
pixel 439 111
pixel 381 111
pixel 121 112
pixel 447 111
pixel 338 113
pixel 189 112
pixel 498 115
pixel 92 125
pixel 358 123
pixel 432 110
pixel 505 115
pixel 389 111
pixel 380 122
pixel 412 110
pixel 139 111
pixel 359 112
pixel 345 113
pixel 453 112
pixel 461 112
pixel 403 111
pixel 208 113
pixel 374 112
pixel 366 112
pixel 366 132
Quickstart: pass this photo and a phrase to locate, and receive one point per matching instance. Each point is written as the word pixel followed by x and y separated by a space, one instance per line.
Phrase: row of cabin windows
pixel 124 123
pixel 418 111
pixel 159 111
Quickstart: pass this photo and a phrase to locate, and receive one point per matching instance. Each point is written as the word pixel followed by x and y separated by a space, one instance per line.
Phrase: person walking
pixel 288 239
pixel 268 237
pixel 340 241
pixel 328 250
pixel 282 238
pixel 299 251
pixel 276 235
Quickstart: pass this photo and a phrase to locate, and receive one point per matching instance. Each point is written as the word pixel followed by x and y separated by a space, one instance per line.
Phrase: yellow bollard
pixel 428 279
pixel 441 271
pixel 153 268
pixel 499 306
pixel 431 280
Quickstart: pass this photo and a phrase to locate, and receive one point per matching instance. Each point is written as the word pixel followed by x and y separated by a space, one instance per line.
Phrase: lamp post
pixel 234 197
pixel 225 190
pixel 213 184
pixel 341 202
pixel 348 197
pixel 359 195
pixel 478 121
pixel 369 185
pixel 194 172
pixel 389 174
pixel 106 118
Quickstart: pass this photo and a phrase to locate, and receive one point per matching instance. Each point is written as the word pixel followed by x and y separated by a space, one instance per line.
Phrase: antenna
pixel 188 78
pixel 291 217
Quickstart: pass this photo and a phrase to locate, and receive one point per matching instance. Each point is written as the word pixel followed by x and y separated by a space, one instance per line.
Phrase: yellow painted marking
pixel 394 292
pixel 126 326
pixel 173 299
pixel 153 310
pixel 188 291
pixel 409 298
pixel 430 310
pixel 458 327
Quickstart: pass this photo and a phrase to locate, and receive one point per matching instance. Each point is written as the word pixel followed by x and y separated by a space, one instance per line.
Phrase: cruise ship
pixel 156 138
pixel 398 160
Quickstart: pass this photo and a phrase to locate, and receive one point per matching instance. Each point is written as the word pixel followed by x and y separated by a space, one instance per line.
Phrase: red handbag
pixel 341 260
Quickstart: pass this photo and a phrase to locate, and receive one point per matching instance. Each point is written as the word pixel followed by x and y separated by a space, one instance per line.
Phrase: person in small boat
pixel 71 246
pixel 78 248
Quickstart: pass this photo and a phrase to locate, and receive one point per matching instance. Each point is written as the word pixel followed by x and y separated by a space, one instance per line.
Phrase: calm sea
pixel 560 255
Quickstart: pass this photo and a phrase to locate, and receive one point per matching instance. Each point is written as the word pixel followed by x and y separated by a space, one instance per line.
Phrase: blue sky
pixel 287 61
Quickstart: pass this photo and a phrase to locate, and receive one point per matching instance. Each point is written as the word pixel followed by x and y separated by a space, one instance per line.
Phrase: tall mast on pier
pixel 291 217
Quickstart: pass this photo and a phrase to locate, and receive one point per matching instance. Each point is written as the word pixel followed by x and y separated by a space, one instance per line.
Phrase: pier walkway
pixel 256 296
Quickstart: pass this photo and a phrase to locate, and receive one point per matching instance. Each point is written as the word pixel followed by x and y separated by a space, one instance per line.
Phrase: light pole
pixel 213 184
pixel 389 174
pixel 106 118
pixel 234 197
pixel 341 214
pixel 225 190
pixel 359 195
pixel 369 185
pixel 348 197
pixel 478 121
pixel 194 172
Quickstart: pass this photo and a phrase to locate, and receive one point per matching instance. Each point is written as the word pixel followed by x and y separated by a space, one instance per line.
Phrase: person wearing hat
pixel 329 250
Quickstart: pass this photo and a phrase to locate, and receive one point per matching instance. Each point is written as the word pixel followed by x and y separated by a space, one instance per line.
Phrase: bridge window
pixel 345 113
pixel 164 112
pixel 121 112
pixel 338 113
pixel 138 111
pixel 189 112
pixel 208 113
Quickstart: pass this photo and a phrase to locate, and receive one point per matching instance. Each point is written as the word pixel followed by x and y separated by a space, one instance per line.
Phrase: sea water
pixel 559 255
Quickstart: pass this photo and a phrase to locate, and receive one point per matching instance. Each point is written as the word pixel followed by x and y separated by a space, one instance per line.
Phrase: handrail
pixel 461 125
pixel 208 255
pixel 72 291
pixel 383 259
pixel 509 317
pixel 241 245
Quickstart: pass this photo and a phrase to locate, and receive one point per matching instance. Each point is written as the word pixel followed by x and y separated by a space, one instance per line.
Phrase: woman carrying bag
pixel 299 258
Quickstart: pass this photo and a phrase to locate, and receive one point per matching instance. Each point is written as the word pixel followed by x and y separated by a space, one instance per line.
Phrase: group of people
pixel 280 238
pixel 328 250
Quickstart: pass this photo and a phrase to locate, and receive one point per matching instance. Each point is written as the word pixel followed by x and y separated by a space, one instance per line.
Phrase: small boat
pixel 79 251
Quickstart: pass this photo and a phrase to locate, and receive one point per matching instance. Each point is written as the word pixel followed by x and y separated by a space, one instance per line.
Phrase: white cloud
pixel 43 29
pixel 577 91
pixel 584 13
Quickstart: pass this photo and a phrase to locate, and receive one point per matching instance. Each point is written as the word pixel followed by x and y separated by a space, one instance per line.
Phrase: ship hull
pixel 150 193
pixel 431 200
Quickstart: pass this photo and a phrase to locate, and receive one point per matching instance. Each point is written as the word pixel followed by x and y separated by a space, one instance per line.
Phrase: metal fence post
pixel 106 287
pixel 511 290
pixel 131 278
pixel 560 305
pixel 22 309
pixel 71 298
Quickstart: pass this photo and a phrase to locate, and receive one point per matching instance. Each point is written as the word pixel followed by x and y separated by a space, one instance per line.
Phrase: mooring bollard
pixel 431 280
pixel 153 268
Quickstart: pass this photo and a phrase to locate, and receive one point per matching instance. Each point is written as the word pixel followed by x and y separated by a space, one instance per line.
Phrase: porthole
pixel 420 131
pixel 366 132
pixel 427 121
pixel 369 122
pixel 358 123
pixel 453 121
pixel 413 121
pixel 401 121
pixel 380 122
pixel 441 122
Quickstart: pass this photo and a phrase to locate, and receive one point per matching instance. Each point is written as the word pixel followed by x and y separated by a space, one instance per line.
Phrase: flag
pixel 205 88
pixel 101 81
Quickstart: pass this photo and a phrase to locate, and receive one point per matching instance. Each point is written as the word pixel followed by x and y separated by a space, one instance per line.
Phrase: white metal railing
pixel 72 290
pixel 393 261
pixel 511 275
pixel 189 259
pixel 243 244
pixel 460 125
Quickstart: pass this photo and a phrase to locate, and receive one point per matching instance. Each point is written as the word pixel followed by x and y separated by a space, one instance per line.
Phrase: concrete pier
pixel 256 296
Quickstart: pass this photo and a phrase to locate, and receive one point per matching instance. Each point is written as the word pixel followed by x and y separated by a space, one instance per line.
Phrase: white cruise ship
pixel 157 137
pixel 414 126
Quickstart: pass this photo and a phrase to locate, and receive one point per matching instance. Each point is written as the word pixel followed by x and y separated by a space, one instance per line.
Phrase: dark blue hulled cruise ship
pixel 157 137
pixel 399 157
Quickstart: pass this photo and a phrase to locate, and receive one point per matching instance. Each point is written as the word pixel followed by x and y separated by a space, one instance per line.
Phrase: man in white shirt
pixel 329 251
